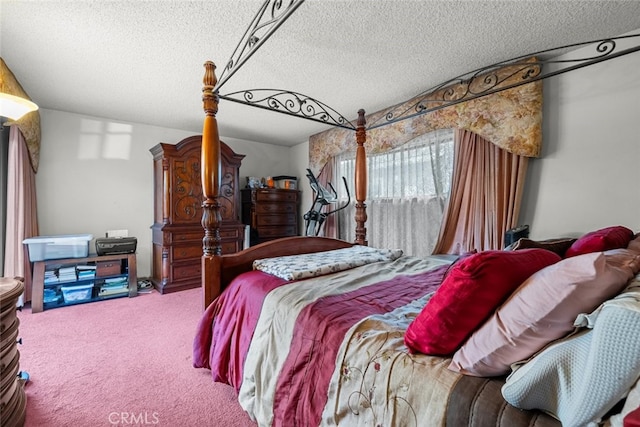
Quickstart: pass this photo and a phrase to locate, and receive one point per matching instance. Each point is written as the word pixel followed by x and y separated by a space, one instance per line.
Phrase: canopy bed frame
pixel 292 332
pixel 218 270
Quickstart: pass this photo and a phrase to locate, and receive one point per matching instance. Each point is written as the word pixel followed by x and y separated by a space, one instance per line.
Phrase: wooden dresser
pixel 271 212
pixel 13 400
pixel 177 231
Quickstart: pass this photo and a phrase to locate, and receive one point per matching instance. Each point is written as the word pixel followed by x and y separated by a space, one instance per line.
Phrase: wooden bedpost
pixel 210 170
pixel 361 181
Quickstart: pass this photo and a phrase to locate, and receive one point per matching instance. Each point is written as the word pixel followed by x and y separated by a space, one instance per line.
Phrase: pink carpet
pixel 125 361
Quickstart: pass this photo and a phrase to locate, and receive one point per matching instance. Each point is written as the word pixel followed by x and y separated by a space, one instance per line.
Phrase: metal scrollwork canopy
pixel 475 84
pixel 506 75
pixel 270 16
pixel 292 103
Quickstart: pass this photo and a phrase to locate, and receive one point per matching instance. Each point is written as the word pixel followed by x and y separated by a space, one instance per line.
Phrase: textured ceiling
pixel 142 61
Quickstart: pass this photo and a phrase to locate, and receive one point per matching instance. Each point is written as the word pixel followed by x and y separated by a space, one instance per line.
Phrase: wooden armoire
pixel 177 231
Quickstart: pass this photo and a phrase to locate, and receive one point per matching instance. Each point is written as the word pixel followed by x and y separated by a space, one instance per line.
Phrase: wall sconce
pixel 14 107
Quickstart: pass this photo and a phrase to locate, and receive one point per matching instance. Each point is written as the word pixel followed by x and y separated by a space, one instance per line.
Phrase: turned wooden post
pixel 211 171
pixel 361 181
pixel 210 164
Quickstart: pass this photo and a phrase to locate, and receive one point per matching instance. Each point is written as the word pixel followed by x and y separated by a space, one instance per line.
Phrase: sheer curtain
pixel 485 196
pixel 407 192
pixel 21 209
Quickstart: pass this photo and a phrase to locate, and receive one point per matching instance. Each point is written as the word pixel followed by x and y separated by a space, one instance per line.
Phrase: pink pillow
pixel 543 309
pixel 615 237
pixel 470 292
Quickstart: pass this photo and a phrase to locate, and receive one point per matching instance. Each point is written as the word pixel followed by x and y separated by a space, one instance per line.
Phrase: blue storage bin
pixel 76 293
pixel 50 295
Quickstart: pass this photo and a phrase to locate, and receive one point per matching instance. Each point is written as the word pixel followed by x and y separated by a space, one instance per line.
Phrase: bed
pixel 339 337
pixel 319 331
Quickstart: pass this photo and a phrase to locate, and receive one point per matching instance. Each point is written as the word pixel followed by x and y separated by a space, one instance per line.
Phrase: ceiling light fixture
pixel 14 107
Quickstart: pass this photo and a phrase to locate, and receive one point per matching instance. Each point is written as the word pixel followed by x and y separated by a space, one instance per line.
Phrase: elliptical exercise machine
pixel 315 218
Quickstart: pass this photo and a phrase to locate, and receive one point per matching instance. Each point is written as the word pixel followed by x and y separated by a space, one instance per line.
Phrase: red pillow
pixel 632 419
pixel 469 294
pixel 615 237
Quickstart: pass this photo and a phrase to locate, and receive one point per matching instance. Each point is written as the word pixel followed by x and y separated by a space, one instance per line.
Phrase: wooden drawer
pixel 277 231
pixel 282 219
pixel 197 236
pixel 8 347
pixel 229 233
pixel 229 247
pixel 187 271
pixel 9 334
pixel 9 372
pixel 186 252
pixel 7 317
pixel 108 268
pixel 268 208
pixel 181 253
pixel 176 237
pixel 276 196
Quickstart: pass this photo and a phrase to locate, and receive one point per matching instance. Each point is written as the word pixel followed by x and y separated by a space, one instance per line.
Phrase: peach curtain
pixel 485 197
pixel 22 220
pixel 329 229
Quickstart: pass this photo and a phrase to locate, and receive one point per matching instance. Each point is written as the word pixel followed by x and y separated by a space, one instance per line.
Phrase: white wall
pixel 588 174
pixel 96 175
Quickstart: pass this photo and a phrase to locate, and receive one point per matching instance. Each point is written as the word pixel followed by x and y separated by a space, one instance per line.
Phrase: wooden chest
pixel 13 400
pixel 177 231
pixel 271 212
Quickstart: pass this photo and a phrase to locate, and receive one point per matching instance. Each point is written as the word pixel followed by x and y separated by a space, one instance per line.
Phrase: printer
pixel 116 245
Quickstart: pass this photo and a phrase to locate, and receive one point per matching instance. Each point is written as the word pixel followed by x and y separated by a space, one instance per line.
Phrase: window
pixel 406 195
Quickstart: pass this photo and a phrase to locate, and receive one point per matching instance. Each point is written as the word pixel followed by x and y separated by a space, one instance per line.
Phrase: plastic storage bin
pixel 57 247
pixel 286 182
pixel 50 295
pixel 76 293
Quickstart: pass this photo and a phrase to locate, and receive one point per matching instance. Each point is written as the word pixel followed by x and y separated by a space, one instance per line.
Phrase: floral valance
pixel 511 119
pixel 29 124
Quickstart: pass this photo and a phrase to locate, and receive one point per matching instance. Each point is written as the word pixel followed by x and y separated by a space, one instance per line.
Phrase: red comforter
pixel 225 331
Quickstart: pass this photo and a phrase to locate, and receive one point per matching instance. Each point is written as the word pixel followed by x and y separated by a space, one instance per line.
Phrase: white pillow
pixel 580 378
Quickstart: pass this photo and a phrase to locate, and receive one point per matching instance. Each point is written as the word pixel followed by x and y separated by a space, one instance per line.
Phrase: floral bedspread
pixel 292 355
pixel 380 383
